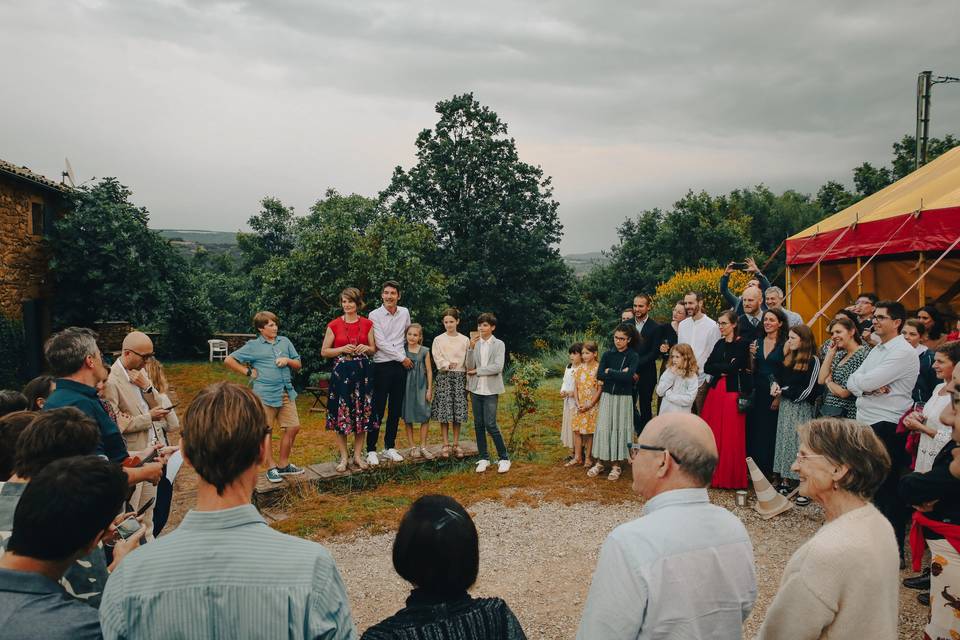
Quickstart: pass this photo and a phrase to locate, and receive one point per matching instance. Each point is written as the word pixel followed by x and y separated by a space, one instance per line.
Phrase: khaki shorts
pixel 284 416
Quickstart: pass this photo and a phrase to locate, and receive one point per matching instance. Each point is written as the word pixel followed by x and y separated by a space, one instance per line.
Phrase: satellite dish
pixel 68 174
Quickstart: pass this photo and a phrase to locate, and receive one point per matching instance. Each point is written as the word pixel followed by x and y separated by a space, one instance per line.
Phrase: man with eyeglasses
pixel 883 386
pixel 136 404
pixel 685 567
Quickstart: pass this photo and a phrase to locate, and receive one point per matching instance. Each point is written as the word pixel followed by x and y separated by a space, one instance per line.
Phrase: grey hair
pixel 696 462
pixel 67 350
pixel 850 443
pixel 777 290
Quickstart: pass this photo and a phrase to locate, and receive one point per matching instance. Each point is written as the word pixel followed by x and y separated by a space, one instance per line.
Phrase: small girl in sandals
pixel 615 419
pixel 569 394
pixel 587 397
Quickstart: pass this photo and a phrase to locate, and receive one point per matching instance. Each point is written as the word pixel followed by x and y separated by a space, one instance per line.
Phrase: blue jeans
pixel 485 420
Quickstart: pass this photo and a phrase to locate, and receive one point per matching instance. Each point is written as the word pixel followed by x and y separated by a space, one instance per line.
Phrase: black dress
pixel 452 617
pixel 762 420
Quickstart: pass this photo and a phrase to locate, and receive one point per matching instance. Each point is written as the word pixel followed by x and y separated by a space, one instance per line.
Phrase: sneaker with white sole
pixel 503 466
pixel 482 466
pixel 372 458
pixel 290 470
pixel 393 455
pixel 273 475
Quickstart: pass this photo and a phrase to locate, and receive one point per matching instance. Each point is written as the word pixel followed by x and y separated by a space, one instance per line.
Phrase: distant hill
pixel 188 241
pixel 583 262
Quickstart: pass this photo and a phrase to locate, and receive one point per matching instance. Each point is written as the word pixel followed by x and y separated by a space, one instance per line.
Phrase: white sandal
pixel 614 474
pixel 595 470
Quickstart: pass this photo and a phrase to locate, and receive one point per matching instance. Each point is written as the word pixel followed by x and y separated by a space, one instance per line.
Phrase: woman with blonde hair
pixel 678 385
pixel 842 583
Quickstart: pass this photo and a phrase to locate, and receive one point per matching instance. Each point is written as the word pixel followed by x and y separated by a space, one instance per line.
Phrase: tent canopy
pixel 933 191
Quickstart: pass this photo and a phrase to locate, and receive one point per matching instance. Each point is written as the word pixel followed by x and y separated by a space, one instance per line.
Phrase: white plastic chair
pixel 218 349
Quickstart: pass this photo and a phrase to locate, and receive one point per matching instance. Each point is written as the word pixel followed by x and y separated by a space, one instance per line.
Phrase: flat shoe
pixel 595 470
pixel 363 465
pixel 457 451
pixel 614 474
pixel 342 467
pixel 445 451
pixel 572 463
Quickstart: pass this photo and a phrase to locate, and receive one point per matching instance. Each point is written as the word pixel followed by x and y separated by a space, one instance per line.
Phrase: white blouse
pixel 929 447
pixel 448 350
pixel 678 393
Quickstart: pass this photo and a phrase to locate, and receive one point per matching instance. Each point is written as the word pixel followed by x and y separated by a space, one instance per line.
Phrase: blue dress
pixel 416 409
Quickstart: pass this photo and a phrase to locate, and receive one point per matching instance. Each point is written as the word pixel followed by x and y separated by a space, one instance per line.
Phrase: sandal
pixel 445 451
pixel 342 467
pixel 360 463
pixel 573 462
pixel 614 474
pixel 457 451
pixel 595 470
pixel 587 463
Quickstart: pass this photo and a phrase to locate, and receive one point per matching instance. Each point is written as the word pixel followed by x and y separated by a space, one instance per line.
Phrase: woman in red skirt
pixel 728 364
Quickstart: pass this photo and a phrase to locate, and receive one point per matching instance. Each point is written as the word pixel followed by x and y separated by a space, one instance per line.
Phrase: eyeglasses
pixel 801 457
pixel 633 447
pixel 878 316
pixel 145 356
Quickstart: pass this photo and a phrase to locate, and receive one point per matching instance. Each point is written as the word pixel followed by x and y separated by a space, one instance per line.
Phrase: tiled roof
pixel 26 174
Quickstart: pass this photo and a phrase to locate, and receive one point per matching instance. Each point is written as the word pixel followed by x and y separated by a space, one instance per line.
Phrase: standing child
pixel 615 419
pixel 679 382
pixel 485 357
pixel 587 395
pixel 568 393
pixel 419 391
pixel 449 350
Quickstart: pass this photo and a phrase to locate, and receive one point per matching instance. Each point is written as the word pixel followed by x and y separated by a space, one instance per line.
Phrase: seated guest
pixel 11 426
pixel 51 436
pixel 928 434
pixel 224 568
pixel 436 550
pixel 84 493
pixel 684 569
pixel 38 390
pixel 774 298
pixel 11 401
pixel 842 583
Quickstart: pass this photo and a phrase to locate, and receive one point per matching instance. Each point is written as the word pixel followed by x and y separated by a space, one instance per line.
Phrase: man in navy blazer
pixel 649 350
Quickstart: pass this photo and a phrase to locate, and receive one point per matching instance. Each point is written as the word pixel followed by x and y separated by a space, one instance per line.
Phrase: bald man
pixel 684 569
pixel 130 394
pixel 751 317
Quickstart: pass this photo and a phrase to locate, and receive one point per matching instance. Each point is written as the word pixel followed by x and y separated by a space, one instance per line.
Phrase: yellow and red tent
pixel 886 243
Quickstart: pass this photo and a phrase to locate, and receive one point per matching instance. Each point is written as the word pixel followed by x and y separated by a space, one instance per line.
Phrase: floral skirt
pixel 450 396
pixel 350 401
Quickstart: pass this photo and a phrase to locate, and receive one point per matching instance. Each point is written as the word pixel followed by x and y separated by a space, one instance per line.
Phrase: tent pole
pixel 921 287
pixel 789 300
pixel 859 277
pixel 819 303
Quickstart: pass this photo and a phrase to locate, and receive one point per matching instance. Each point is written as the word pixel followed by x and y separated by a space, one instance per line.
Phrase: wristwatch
pixel 249 370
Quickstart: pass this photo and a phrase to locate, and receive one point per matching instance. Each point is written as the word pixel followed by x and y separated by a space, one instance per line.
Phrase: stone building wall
pixel 24 258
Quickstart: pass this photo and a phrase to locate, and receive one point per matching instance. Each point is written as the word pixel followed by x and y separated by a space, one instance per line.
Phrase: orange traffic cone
pixel 769 502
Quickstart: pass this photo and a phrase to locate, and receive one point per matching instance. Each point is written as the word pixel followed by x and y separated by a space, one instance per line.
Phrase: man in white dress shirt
pixel 884 388
pixel 390 365
pixel 684 569
pixel 702 334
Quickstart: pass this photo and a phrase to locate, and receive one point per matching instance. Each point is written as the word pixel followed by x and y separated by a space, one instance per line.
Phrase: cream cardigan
pixel 842 583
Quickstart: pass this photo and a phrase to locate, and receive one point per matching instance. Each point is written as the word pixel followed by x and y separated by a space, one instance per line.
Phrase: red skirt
pixel 729 430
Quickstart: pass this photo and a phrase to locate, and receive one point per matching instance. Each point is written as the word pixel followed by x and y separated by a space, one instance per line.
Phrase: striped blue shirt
pixel 226 574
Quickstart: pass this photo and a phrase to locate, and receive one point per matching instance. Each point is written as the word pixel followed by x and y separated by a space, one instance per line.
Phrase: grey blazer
pixel 492 371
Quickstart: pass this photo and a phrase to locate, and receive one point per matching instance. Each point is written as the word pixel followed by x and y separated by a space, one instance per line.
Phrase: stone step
pixel 268 495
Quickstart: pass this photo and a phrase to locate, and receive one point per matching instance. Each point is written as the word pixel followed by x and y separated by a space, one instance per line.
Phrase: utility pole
pixel 925 82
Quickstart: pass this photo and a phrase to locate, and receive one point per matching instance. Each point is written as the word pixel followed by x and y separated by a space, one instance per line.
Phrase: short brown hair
pixel 223 431
pixel 54 434
pixel 487 317
pixel 917 324
pixel 353 295
pixel 263 318
pixel 393 284
pixel 11 426
pixel 850 443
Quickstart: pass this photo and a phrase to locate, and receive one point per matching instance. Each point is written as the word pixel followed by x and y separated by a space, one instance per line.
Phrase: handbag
pixel 831 411
pixel 744 398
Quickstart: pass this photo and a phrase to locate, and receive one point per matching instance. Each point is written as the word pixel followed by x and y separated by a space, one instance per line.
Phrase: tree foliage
pixel 494 219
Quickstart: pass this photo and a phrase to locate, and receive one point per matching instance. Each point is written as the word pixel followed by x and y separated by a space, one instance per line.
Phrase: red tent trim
pixel 934 230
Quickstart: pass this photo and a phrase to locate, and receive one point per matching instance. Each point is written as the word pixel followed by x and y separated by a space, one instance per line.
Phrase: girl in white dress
pixel 678 384
pixel 568 392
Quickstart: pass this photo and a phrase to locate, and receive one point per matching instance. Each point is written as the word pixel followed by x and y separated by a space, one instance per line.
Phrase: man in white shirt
pixel 884 386
pixel 702 334
pixel 390 365
pixel 684 569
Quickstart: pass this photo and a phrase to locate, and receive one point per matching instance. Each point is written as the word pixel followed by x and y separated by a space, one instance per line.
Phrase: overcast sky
pixel 202 108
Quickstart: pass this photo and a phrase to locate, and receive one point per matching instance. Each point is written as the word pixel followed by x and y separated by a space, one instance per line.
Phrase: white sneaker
pixel 503 466
pixel 372 458
pixel 393 454
pixel 482 466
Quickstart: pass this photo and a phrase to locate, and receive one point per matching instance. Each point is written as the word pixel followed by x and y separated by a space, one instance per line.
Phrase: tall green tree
pixel 494 219
pixel 274 231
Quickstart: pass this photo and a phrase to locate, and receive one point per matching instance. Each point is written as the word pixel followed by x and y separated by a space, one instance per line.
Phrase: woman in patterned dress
pixel 349 339
pixel 844 355
pixel 586 393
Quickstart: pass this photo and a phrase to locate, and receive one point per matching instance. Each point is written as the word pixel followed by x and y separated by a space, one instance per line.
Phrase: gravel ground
pixel 540 560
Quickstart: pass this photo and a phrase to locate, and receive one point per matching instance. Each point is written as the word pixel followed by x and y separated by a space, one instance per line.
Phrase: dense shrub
pixel 706 281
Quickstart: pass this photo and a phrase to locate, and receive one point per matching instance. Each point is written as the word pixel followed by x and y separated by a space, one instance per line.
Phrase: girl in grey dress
pixel 419 391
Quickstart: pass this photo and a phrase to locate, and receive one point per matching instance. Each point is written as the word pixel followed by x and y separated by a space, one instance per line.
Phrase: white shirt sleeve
pixel 870 377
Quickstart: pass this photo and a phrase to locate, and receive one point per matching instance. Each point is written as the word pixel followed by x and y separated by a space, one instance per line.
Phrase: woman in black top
pixel 728 366
pixel 615 417
pixel 766 354
pixel 437 551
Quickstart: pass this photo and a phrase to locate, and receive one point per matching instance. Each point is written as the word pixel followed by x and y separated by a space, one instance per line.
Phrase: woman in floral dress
pixel 349 339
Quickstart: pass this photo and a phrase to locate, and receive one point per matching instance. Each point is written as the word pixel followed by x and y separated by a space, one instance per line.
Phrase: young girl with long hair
pixel 418 393
pixel 678 385
pixel 568 392
pixel 586 397
pixel 449 351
